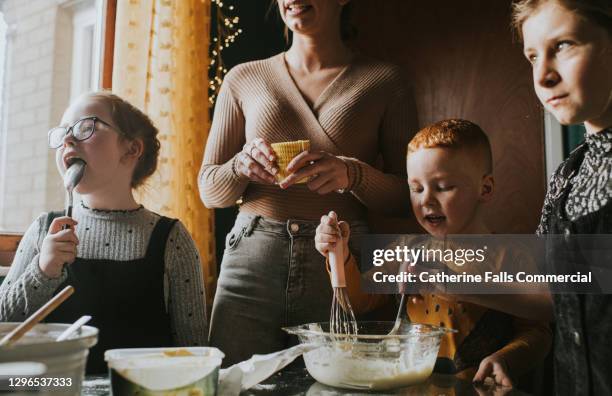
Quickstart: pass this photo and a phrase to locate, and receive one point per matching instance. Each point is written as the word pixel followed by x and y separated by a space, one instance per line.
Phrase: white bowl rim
pixel 86 333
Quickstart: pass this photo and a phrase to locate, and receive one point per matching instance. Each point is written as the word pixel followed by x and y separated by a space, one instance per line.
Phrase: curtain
pixel 161 65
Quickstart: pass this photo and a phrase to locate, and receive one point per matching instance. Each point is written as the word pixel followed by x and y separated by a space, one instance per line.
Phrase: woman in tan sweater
pixel 357 114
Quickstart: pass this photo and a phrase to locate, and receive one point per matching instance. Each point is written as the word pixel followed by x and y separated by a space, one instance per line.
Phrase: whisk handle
pixel 336 264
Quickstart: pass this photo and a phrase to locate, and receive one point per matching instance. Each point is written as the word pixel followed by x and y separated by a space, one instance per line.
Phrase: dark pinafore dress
pixel 583 336
pixel 124 298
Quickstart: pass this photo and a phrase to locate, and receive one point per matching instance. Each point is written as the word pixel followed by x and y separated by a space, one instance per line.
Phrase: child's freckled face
pixel 444 189
pixel 571 60
pixel 102 151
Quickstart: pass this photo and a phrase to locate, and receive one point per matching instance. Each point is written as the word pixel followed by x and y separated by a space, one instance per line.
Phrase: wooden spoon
pixel 37 316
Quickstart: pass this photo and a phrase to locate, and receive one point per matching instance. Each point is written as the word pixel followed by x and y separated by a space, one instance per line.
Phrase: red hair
pixel 454 134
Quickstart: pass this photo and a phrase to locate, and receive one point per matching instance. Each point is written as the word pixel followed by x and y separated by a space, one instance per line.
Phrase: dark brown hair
pixel 596 11
pixel 134 124
pixel 455 134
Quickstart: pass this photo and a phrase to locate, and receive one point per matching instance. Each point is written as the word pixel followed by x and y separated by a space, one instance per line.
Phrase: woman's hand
pixel 59 247
pixel 495 367
pixel 326 172
pixel 329 232
pixel 257 161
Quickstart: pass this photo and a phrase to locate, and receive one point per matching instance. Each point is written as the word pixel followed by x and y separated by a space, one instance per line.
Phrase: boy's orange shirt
pixel 530 340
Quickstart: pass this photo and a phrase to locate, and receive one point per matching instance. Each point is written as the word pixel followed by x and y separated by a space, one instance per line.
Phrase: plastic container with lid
pixel 159 371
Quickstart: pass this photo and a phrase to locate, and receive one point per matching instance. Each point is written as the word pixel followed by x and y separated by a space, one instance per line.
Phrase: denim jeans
pixel 271 276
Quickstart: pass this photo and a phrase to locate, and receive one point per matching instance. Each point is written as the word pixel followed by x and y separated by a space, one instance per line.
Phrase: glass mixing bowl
pixel 372 360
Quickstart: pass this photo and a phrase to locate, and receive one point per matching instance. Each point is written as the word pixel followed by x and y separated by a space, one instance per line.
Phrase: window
pixel 49 54
pixel 86 58
pixel 3 144
pixel 553 143
pixel 560 140
pixel 573 136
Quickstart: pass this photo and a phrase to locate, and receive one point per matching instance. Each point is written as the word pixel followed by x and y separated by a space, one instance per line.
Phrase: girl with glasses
pixel 135 272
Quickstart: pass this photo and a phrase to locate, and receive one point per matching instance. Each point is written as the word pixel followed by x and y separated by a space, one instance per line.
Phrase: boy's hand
pixel 59 247
pixel 495 367
pixel 329 232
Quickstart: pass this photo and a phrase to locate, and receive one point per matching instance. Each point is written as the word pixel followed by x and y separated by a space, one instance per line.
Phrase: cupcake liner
pixel 285 152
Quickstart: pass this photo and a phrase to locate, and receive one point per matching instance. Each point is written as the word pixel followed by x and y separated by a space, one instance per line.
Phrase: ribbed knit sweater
pixel 366 116
pixel 117 236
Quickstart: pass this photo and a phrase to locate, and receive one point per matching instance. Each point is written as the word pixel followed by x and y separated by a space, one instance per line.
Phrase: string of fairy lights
pixel 226 33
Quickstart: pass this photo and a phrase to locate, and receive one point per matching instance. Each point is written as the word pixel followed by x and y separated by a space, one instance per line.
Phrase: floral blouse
pixel 591 183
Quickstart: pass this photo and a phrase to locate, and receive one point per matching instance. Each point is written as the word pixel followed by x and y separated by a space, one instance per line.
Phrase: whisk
pixel 341 319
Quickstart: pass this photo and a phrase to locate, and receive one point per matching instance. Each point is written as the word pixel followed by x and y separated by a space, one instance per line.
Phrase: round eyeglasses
pixel 81 130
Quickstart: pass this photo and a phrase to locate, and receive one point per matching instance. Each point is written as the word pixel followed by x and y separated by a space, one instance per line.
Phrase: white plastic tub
pixel 64 360
pixel 162 371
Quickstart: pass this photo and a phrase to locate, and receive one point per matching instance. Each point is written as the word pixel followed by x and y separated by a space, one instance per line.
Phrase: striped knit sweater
pixel 365 116
pixel 117 236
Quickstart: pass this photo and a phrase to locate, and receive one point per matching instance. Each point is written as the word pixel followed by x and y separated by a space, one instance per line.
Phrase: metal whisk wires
pixel 342 320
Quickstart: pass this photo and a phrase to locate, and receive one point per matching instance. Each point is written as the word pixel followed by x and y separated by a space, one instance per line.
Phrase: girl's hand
pixel 257 161
pixel 328 233
pixel 59 247
pixel 495 367
pixel 325 171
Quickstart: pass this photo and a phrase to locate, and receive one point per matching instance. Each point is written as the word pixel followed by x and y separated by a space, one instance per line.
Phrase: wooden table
pixel 297 381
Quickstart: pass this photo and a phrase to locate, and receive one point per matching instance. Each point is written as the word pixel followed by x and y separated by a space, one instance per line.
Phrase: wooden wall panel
pixel 109 44
pixel 464 63
pixel 8 247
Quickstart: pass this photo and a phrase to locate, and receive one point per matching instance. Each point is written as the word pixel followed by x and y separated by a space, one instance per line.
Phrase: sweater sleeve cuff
pixel 354 172
pixel 235 175
pixel 41 280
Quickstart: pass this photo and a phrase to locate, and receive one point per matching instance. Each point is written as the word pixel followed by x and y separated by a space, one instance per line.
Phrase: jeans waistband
pixel 294 227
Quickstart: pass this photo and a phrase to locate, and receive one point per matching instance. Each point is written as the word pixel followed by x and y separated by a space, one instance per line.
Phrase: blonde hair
pixel 595 11
pixel 454 134
pixel 133 124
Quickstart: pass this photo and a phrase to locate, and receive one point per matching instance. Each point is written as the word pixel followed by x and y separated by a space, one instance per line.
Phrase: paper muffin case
pixel 285 152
